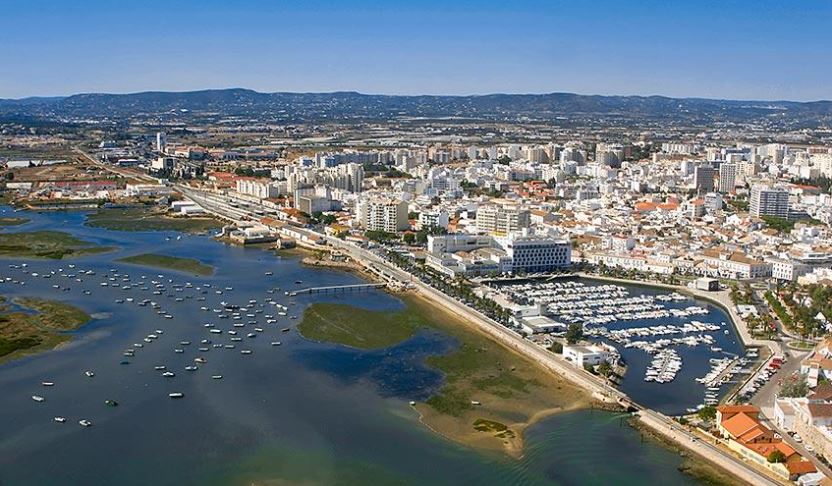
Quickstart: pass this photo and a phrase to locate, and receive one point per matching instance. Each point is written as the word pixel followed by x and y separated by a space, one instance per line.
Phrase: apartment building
pixel 769 201
pixel 502 220
pixel 381 213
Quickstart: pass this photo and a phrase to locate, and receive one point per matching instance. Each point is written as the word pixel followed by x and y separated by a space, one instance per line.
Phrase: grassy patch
pixel 358 328
pixel 149 219
pixel 484 425
pixel 11 221
pixel 46 244
pixel 478 367
pixel 24 333
pixel 189 265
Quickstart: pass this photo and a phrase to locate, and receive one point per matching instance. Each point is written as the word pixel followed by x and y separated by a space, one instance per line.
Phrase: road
pixel 128 174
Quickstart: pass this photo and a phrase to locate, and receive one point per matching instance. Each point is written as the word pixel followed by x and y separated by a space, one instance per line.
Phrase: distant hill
pixel 356 106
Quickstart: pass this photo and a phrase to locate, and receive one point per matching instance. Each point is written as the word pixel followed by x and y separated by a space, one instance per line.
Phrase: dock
pixel 338 288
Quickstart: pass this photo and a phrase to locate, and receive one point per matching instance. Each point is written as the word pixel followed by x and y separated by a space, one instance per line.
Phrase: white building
pixel 433 219
pixel 381 213
pixel 263 189
pixel 533 253
pixel 502 220
pixel 787 270
pixel 592 354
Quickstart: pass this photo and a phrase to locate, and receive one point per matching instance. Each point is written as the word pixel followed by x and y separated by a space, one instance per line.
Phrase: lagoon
pixel 301 411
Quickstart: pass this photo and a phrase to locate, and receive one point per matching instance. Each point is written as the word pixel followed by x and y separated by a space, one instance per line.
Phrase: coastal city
pixel 547 247
pixel 364 242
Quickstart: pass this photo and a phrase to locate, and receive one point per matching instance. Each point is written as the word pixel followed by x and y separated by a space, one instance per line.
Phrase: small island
pixel 149 218
pixel 13 221
pixel 490 395
pixel 179 264
pixel 23 333
pixel 54 245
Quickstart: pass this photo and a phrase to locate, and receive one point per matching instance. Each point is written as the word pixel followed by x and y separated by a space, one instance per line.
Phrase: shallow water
pixel 299 412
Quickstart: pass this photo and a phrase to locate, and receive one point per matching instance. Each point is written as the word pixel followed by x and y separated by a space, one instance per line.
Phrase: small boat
pixel 85 423
pixel 216 377
pixel 200 360
pixel 89 374
pixel 276 343
pixel 176 395
pixel 47 383
pixel 160 368
pixel 168 374
pixel 60 420
pixel 245 351
pixel 111 403
pixel 191 368
pixel 38 398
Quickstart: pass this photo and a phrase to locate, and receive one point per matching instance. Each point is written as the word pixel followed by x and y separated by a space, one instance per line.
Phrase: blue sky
pixel 760 49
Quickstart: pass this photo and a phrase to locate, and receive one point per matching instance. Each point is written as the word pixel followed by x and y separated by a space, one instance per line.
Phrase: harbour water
pixel 298 412
pixel 683 392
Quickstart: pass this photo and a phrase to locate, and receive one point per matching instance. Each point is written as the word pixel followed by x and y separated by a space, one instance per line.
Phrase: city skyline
pixel 707 50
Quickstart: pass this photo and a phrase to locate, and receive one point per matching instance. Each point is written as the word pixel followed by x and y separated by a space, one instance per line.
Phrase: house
pixel 818 363
pixel 743 433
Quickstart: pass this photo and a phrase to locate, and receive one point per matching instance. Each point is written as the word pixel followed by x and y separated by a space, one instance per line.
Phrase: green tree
pixel 556 347
pixel 575 333
pixel 776 456
pixel 795 387
pixel 707 413
pixel 604 369
pixel 409 238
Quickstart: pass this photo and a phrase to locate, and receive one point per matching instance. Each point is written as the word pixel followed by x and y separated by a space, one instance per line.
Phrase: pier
pixel 338 288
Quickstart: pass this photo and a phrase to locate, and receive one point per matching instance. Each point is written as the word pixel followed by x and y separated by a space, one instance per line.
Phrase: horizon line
pixel 471 95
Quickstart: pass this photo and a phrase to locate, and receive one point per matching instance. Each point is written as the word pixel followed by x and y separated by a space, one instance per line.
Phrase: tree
pixel 707 413
pixel 556 347
pixel 776 456
pixel 575 333
pixel 604 369
pixel 409 238
pixel 795 387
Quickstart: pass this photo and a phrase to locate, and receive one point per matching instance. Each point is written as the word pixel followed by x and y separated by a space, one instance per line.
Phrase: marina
pixel 680 353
